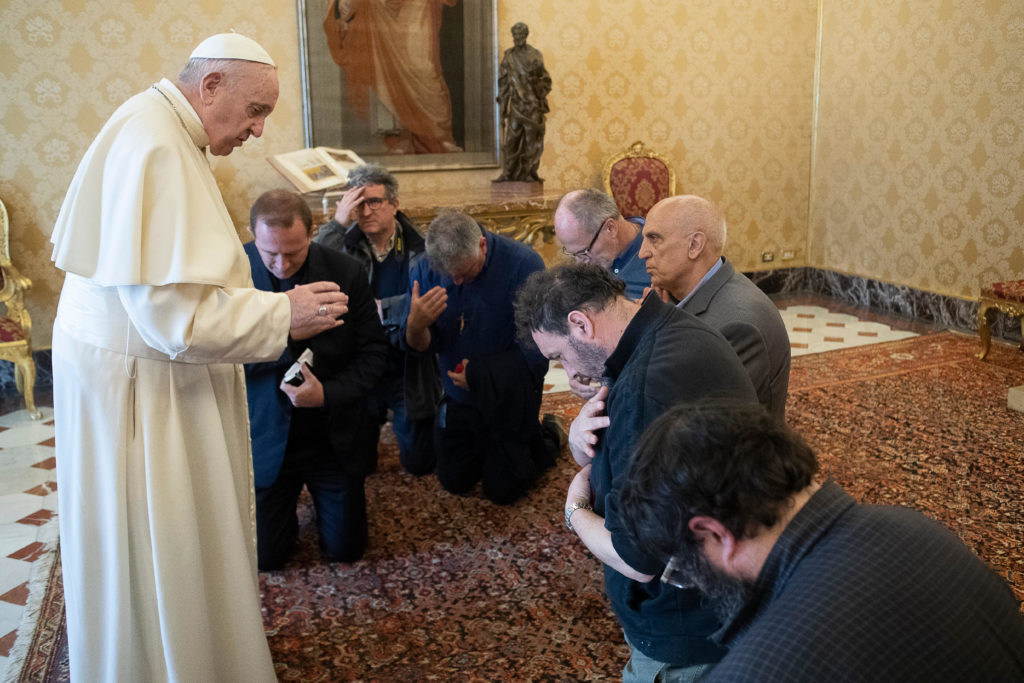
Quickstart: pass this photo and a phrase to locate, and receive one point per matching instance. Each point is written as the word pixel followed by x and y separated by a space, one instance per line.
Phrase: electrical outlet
pixel 767 256
pixel 788 254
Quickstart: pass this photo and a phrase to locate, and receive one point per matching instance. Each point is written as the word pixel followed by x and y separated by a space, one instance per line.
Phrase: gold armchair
pixel 15 324
pixel 638 179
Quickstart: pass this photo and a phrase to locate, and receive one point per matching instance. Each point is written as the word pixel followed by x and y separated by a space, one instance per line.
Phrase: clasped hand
pixel 591 418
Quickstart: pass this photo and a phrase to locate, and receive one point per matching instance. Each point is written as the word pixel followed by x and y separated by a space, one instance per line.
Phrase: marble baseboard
pixel 945 312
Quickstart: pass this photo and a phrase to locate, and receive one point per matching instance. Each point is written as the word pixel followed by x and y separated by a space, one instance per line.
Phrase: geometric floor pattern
pixel 28 489
pixel 28 511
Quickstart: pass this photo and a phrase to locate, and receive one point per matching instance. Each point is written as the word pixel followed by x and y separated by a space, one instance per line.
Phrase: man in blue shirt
pixel 591 230
pixel 460 307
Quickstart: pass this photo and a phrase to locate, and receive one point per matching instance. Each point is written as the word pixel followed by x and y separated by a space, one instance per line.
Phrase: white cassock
pixel 154 472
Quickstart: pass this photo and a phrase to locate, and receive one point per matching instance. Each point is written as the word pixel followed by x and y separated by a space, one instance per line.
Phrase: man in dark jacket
pixel 368 225
pixel 649 356
pixel 313 433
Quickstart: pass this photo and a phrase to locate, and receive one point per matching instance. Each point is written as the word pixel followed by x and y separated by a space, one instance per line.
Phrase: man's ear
pixel 209 85
pixel 580 325
pixel 717 542
pixel 249 229
pixel 695 248
pixel 483 246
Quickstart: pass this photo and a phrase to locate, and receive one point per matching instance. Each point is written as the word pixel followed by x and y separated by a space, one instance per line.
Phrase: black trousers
pixel 468 452
pixel 339 502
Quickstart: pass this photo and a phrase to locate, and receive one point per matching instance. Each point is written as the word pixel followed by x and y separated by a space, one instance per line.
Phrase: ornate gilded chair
pixel 15 324
pixel 1007 297
pixel 638 179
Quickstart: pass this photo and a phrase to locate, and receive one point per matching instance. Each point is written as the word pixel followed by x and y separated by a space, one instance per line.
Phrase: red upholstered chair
pixel 638 179
pixel 15 323
pixel 1007 297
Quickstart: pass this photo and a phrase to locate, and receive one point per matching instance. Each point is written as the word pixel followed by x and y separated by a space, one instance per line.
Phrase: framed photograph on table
pixel 410 84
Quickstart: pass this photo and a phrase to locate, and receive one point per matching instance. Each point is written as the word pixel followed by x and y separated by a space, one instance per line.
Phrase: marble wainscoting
pixel 935 310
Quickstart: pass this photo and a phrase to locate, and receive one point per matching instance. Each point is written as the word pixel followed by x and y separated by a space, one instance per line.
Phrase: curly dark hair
pixel 544 301
pixel 735 463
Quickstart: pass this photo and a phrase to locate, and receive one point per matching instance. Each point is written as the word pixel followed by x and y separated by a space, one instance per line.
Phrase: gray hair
pixel 194 70
pixel 453 238
pixel 591 208
pixel 374 174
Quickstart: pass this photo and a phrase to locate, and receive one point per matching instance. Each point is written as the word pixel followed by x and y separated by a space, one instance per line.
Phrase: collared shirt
pixel 629 267
pixel 479 319
pixel 707 276
pixel 872 593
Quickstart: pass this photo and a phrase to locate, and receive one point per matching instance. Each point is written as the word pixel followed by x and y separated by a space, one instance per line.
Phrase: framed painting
pixel 410 84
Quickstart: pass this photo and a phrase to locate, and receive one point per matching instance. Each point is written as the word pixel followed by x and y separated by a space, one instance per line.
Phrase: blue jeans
pixel 641 668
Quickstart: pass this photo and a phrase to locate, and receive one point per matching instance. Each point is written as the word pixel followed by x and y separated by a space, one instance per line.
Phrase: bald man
pixel 591 230
pixel 682 244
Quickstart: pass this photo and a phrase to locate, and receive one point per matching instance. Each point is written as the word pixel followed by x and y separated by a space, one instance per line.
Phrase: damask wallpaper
pixel 920 143
pixel 723 88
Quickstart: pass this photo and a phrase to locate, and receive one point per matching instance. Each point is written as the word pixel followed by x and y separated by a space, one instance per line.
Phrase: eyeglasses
pixel 373 203
pixel 673 576
pixel 585 253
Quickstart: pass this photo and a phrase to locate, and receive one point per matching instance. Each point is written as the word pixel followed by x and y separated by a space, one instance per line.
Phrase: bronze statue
pixel 523 87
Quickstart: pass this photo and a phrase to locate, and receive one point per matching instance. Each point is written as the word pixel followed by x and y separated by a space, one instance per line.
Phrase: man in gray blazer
pixel 682 245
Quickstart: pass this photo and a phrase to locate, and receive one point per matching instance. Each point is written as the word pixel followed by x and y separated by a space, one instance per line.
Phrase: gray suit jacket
pixel 743 314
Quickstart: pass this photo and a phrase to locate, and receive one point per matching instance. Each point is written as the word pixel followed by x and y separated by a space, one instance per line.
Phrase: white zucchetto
pixel 232 46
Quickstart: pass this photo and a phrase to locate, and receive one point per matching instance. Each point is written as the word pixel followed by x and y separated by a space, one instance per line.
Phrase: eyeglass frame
pixel 585 252
pixel 368 202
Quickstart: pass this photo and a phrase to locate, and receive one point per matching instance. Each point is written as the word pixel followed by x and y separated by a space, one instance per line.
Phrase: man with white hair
pixel 682 244
pixel 158 309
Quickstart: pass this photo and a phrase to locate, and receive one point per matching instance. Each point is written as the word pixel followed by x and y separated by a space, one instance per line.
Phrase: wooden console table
pixel 527 217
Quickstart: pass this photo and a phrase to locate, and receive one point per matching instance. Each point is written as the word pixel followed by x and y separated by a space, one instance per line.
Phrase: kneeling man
pixel 812 586
pixel 314 434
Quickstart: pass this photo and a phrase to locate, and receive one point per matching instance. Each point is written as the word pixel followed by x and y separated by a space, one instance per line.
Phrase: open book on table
pixel 316 168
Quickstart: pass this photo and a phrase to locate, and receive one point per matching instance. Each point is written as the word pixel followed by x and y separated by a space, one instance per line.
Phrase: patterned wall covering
pixel 920 143
pixel 723 88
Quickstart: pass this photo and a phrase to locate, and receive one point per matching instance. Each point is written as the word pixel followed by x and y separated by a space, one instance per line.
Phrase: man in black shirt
pixel 652 356
pixel 812 586
pixel 315 433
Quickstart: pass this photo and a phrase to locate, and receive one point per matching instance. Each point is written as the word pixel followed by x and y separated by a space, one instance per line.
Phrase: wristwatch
pixel 571 508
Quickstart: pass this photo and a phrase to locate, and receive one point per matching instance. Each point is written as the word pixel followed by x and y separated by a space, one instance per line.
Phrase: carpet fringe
pixel 37 583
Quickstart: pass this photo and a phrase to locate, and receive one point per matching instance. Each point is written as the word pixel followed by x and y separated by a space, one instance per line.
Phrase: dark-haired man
pixel 812 586
pixel 653 356
pixel 368 226
pixel 314 433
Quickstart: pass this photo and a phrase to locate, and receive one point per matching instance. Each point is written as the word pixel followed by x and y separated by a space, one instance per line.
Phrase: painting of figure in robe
pixel 390 52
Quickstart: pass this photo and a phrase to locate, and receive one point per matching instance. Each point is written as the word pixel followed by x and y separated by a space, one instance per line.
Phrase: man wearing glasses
pixel 591 230
pixel 368 225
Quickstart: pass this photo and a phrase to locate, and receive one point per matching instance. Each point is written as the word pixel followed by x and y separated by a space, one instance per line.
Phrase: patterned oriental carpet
pixel 456 589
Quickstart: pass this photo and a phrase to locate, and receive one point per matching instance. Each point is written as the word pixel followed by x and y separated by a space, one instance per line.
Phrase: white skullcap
pixel 231 46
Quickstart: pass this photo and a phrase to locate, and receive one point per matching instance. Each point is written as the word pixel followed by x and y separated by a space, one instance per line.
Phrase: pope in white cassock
pixel 158 309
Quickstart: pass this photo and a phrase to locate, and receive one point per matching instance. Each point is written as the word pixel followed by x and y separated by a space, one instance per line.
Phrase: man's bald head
pixel 683 238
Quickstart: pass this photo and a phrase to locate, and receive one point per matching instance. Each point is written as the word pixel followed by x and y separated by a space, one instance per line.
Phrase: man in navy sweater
pixel 649 357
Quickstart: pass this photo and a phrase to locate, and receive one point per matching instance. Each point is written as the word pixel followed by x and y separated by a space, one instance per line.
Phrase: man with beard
pixel 650 356
pixel 811 585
